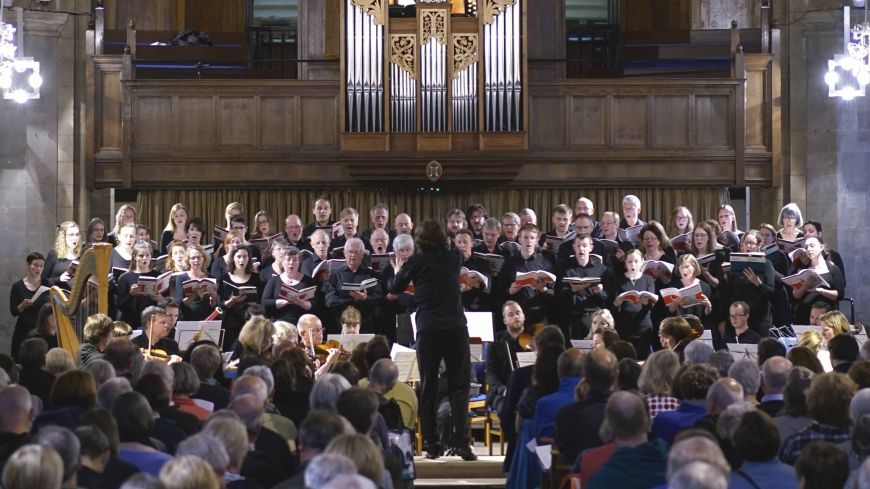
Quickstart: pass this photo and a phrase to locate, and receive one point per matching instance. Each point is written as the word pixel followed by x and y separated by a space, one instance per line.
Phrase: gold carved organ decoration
pixel 431 69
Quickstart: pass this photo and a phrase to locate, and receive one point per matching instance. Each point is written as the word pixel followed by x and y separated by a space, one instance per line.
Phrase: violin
pixel 526 339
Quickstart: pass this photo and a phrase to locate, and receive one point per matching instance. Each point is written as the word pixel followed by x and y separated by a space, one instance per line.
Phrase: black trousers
pixel 451 346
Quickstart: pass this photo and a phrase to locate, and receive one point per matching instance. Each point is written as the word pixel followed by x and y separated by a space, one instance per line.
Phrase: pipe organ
pixel 437 73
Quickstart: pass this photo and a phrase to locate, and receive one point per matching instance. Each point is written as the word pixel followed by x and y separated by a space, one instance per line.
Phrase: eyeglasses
pixel 315 330
pixel 735 316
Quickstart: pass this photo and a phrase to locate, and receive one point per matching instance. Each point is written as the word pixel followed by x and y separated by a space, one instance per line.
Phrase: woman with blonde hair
pixel 131 298
pixel 33 467
pixel 176 261
pixel 289 307
pixel 176 227
pixel 255 338
pixel 656 382
pixel 727 219
pixel 126 215
pixel 833 323
pixel 811 339
pixel 264 225
pixel 67 247
pixel 232 209
pixel 364 454
pixel 58 361
pixel 200 302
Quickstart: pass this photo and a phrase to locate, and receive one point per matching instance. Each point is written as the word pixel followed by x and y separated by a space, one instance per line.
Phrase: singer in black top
pixel 632 319
pixel 131 299
pixel 196 306
pixel 442 334
pixel 368 301
pixel 578 302
pixel 231 298
pixel 534 299
pixel 289 310
pixel 21 301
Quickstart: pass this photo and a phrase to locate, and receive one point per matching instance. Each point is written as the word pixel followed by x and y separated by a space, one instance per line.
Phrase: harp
pixel 89 295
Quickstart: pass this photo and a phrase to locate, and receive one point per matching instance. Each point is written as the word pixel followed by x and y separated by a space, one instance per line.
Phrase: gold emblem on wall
pixel 433 24
pixel 465 52
pixel 434 170
pixel 492 8
pixel 402 49
pixel 375 8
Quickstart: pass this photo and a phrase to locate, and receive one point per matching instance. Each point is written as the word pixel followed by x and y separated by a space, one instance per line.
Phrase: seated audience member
pixel 255 341
pixel 135 423
pixel 383 377
pixel 124 357
pixel 821 465
pixel 569 367
pixel 694 446
pixel 226 427
pixel 326 390
pixel 95 453
pixel 97 335
pixel 365 455
pixel 769 348
pixel 865 351
pixel 323 469
pixel 692 384
pixel 794 415
pixel 189 472
pixel 161 399
pixel 58 361
pixel 623 349
pixel 110 390
pixel 828 405
pixel 721 361
pixel 724 393
pixel 801 356
pixel 697 352
pixel 266 466
pixel 627 375
pixel 166 431
pixel 577 424
pixel 637 462
pixel 210 450
pixel 404 395
pixel 33 376
pixel 844 352
pixel 748 375
pixel 699 474
pixel 67 445
pixel 33 467
pixel 116 470
pixel 773 376
pixel 756 440
pixel 72 395
pixel 101 371
pixel 16 419
pixel 186 384
pixel 859 372
pixel 656 382
pixel 258 380
pixel 739 314
pixel 315 434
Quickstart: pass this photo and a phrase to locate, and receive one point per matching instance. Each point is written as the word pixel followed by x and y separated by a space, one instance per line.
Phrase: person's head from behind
pixel 362 451
pixel 383 376
pixel 66 444
pixel 141 480
pixel 95 447
pixel 250 411
pixel 801 356
pixel 625 418
pixel 33 467
pixel 188 472
pixel 317 430
pixel 721 361
pixel 16 404
pixel 134 416
pixel 769 348
pixel 822 465
pixel 326 390
pixel 325 467
pixel 31 353
pixel 828 399
pixel 723 393
pixel 697 475
pixel 359 406
pixel 74 388
pixel 600 369
pixel 756 437
pixel 694 380
pixel 843 349
pixel 747 373
pixel 208 448
pixel 773 374
pixel 226 426
pixel 697 351
pixel 695 448
pixel 658 373
pixel 430 237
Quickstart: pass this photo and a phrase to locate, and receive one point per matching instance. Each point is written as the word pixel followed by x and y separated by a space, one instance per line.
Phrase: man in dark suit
pixel 773 376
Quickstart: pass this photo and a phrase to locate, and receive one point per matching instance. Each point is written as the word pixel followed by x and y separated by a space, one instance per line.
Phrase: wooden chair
pixel 493 429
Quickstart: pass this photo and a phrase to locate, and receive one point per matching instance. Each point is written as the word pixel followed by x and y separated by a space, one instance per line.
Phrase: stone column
pixel 36 157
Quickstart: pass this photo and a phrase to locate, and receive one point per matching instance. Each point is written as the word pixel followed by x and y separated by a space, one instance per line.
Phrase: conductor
pixel 442 334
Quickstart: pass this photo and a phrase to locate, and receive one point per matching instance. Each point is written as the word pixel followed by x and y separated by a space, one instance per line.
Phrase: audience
pixel 692 384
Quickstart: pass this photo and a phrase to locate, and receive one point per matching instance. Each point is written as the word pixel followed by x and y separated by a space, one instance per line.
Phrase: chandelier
pixel 849 73
pixel 19 76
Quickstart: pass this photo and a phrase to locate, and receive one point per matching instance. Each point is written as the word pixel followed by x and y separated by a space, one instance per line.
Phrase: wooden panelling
pixel 670 122
pixel 150 14
pixel 278 117
pixel 630 121
pixel 589 119
pixel 718 14
pixel 214 15
pixel 235 119
pixel 713 121
pixel 109 135
pixel 319 122
pixel 195 123
pixel 651 15
pixel 153 123
pixel 547 122
pixel 758 72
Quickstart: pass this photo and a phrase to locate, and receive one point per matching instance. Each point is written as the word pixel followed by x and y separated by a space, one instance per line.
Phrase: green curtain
pixel 657 203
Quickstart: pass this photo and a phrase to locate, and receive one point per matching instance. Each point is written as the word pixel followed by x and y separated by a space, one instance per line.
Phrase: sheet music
pixel 739 351
pixel 185 331
pixel 350 341
pixel 584 345
pixel 801 329
pixel 479 325
pixel 526 358
pixel 406 360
